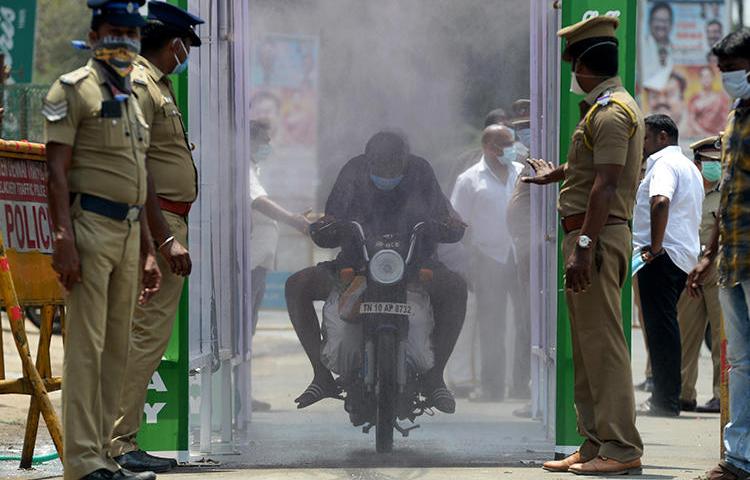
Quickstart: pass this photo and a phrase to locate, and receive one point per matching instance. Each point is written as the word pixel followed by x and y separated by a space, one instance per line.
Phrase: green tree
pixel 59 22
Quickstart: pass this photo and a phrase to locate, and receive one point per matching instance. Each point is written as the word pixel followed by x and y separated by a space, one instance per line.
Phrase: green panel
pixel 574 11
pixel 17 30
pixel 169 430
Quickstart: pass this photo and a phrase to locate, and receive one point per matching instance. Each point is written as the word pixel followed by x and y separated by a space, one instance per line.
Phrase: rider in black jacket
pixel 385 190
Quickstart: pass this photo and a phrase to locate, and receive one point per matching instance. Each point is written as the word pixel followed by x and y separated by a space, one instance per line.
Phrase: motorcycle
pixel 392 347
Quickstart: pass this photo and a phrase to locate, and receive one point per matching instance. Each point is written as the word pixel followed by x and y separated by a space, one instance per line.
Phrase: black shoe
pixel 688 405
pixel 647 385
pixel 140 461
pixel 171 461
pixel 124 474
pixel 711 406
pixel 101 474
pixel 650 409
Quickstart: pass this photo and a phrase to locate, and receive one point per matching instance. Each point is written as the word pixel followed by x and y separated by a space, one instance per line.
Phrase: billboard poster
pixel 17 30
pixel 678 74
pixel 285 93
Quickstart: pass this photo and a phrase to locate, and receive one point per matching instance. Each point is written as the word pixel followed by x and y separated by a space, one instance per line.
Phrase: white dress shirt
pixel 671 174
pixel 264 232
pixel 481 198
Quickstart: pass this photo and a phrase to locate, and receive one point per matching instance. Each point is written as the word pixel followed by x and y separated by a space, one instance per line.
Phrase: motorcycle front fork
pixel 369 362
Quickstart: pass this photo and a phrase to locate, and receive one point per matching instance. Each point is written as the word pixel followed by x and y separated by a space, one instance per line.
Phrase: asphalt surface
pixel 481 440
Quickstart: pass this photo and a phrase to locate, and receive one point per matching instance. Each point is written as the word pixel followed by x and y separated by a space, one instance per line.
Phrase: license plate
pixel 386 308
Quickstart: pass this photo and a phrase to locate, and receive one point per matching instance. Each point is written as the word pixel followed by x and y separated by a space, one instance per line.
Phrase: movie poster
pixel 285 93
pixel 678 75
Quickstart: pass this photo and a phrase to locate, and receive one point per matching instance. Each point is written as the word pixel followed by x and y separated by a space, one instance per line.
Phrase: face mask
pixel 509 154
pixel 181 67
pixel 575 87
pixel 386 184
pixel 524 136
pixel 264 151
pixel 735 84
pixel 711 170
pixel 117 52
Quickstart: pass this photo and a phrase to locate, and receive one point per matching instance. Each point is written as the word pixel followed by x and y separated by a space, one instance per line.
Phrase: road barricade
pixel 27 280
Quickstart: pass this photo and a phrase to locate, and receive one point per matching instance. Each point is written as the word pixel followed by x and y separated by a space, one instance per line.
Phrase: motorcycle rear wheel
pixel 387 393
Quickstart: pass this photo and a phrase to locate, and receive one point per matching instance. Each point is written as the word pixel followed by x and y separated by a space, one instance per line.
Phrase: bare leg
pixel 302 289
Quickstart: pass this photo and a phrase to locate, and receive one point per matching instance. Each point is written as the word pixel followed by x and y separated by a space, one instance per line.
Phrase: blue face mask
pixel 181 67
pixel 524 136
pixel 386 184
pixel 264 151
pixel 509 155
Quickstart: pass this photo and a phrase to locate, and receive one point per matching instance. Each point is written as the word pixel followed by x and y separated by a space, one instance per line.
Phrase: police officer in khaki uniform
pixel 596 202
pixel 695 314
pixel 166 43
pixel 97 139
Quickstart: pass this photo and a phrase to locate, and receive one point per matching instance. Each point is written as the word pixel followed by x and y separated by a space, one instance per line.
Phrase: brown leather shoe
pixel 725 471
pixel 607 466
pixel 562 465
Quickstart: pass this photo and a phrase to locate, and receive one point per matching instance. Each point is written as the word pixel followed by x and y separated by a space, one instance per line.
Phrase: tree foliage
pixel 59 22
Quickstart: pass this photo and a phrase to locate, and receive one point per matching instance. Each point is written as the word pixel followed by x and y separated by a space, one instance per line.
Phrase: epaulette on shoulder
pixel 75 76
pixel 604 98
pixel 138 76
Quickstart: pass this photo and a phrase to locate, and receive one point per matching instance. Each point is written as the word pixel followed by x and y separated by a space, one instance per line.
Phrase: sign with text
pixel 17 31
pixel 25 222
pixel 24 217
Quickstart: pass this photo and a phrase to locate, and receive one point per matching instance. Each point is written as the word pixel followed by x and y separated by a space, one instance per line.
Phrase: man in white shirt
pixel 665 237
pixel 264 231
pixel 481 197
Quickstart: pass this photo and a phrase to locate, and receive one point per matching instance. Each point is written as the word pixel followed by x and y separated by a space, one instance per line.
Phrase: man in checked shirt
pixel 730 241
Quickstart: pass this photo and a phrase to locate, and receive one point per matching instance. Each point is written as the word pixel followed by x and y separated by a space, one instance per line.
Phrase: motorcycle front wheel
pixel 386 371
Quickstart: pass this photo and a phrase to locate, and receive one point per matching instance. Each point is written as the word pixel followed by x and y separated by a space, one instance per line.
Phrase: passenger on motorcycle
pixel 386 189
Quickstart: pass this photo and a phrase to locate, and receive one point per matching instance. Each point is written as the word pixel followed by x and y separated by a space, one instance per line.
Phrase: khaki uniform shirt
pixel 169 159
pixel 611 134
pixel 710 207
pixel 109 150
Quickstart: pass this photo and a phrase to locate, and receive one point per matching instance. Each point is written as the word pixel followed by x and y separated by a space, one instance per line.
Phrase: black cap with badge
pixel 118 13
pixel 176 18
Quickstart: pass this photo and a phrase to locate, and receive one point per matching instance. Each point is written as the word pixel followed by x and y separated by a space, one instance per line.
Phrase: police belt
pixel 107 208
pixel 575 222
pixel 180 209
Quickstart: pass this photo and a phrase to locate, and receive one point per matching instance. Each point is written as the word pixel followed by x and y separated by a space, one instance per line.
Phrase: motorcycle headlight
pixel 387 267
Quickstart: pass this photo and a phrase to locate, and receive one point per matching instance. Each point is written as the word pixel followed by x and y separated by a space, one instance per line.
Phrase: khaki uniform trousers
pixel 100 309
pixel 152 329
pixel 604 397
pixel 694 315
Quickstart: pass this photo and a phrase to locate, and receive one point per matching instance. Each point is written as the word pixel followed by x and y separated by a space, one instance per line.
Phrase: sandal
pixel 442 399
pixel 315 393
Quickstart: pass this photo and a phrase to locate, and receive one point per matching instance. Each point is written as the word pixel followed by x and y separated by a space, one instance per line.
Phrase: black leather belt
pixel 107 208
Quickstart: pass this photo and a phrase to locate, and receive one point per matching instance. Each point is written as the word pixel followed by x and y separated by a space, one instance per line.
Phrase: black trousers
pixel 660 284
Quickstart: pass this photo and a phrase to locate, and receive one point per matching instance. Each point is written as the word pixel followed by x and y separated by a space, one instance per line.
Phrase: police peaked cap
pixel 602 27
pixel 176 18
pixel 119 13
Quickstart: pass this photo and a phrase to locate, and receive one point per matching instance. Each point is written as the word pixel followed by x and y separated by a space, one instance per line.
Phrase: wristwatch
pixel 584 242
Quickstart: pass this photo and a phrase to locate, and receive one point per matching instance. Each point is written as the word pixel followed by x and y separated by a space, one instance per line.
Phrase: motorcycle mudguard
pixel 341 351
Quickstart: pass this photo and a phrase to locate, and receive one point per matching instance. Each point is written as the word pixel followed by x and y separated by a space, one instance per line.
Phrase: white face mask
pixel 575 87
pixel 735 84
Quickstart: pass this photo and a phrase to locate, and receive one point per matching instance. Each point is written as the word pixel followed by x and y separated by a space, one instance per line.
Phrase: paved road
pixel 484 440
